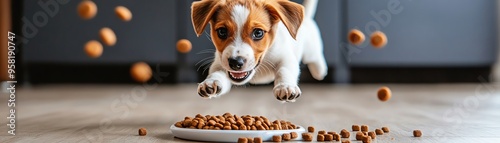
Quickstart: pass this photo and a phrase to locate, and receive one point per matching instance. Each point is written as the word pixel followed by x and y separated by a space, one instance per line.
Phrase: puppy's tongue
pixel 238 74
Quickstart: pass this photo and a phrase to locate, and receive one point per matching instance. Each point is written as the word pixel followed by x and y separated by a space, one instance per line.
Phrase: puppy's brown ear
pixel 290 13
pixel 201 13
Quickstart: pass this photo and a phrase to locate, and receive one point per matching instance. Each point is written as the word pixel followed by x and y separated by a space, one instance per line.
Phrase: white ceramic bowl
pixel 229 135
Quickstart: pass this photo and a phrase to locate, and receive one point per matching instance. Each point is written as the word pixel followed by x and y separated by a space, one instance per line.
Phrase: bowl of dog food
pixel 233 128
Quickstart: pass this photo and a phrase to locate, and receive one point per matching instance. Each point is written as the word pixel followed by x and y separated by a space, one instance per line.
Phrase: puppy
pixel 258 42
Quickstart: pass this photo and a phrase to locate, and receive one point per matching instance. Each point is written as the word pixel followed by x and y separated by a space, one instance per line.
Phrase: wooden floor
pixel 114 113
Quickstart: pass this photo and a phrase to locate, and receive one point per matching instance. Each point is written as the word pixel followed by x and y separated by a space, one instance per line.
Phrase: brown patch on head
pixel 259 18
pixel 290 13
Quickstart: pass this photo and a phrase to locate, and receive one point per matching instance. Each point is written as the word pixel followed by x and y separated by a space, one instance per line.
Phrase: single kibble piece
pixel 346 141
pixel 142 131
pixel 294 135
pixel 356 37
pixel 242 140
pixel 287 137
pixel 344 133
pixel 328 137
pixel 359 135
pixel 184 46
pixel 417 133
pixel 108 37
pixel 372 134
pixel 322 132
pixel 310 129
pixel 384 94
pixel 123 13
pixel 367 139
pixel 93 49
pixel 307 137
pixel 332 133
pixel 355 127
pixel 179 124
pixel 378 39
pixel 141 72
pixel 276 138
pixel 257 140
pixel 336 137
pixel 320 138
pixel 364 128
pixel 87 9
pixel 379 132
pixel 385 129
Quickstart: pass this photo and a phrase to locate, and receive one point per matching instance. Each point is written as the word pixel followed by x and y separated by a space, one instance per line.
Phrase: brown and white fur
pixel 260 41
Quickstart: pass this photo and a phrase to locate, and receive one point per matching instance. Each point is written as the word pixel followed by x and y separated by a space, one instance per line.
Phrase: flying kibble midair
pixel 356 37
pixel 184 46
pixel 87 9
pixel 123 13
pixel 141 72
pixel 384 93
pixel 93 49
pixel 108 37
pixel 378 39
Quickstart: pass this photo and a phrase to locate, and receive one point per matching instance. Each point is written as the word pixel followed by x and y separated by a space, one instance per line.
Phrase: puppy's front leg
pixel 285 84
pixel 216 83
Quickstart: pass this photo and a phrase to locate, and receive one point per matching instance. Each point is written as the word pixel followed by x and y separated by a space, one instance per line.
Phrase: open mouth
pixel 239 76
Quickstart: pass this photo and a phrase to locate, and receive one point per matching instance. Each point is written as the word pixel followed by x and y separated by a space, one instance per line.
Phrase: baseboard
pixel 46 73
pixel 420 75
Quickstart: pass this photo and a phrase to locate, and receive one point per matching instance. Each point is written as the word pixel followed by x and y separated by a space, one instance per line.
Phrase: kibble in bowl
pixel 229 128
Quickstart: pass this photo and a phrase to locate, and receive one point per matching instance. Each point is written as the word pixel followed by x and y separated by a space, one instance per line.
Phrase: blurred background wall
pixel 496 71
pixel 429 41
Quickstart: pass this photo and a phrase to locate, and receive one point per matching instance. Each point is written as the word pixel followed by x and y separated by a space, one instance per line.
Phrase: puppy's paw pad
pixel 209 88
pixel 287 92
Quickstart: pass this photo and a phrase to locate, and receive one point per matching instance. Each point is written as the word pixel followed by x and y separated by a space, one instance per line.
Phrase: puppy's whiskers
pixel 204 62
pixel 206 51
pixel 205 59
pixel 208 36
pixel 205 68
pixel 205 65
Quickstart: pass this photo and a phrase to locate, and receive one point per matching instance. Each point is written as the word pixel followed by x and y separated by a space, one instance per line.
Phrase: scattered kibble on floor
pixel 142 131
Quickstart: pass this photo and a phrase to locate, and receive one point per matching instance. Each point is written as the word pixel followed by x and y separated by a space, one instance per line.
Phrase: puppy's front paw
pixel 209 88
pixel 287 92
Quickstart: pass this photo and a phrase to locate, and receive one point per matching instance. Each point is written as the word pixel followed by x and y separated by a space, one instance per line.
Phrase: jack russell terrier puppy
pixel 260 41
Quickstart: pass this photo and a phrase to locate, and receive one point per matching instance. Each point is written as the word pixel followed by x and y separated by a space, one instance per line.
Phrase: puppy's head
pixel 243 30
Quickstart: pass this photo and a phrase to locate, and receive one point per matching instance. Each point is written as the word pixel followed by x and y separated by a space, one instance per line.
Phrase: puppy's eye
pixel 222 33
pixel 258 34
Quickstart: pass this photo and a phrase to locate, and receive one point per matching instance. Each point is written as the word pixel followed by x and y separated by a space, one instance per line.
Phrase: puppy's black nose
pixel 236 63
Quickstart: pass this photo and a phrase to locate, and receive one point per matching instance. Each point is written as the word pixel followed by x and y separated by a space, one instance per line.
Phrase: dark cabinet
pixel 449 37
pixel 425 33
pixel 54 48
pixel 150 36
pixel 428 40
